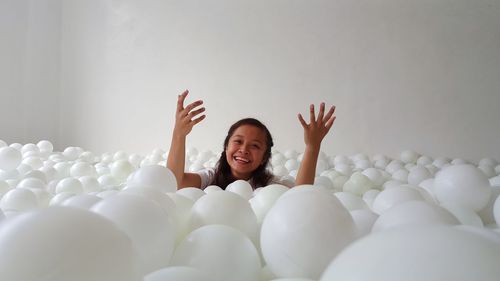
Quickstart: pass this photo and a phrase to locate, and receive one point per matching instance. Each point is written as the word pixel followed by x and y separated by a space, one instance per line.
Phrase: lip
pixel 242 162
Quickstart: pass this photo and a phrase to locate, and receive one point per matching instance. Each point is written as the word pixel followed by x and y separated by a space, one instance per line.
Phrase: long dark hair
pixel 261 176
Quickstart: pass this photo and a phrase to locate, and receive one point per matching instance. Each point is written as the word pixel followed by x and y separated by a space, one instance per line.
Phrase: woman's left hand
pixel 316 130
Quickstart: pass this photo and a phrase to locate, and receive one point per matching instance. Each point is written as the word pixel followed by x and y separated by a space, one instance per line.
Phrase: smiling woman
pixel 247 149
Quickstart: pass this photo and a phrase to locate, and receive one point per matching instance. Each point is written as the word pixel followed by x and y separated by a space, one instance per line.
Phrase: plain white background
pixel 105 75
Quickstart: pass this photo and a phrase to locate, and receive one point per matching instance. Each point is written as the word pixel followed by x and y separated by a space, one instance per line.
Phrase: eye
pixel 256 146
pixel 237 141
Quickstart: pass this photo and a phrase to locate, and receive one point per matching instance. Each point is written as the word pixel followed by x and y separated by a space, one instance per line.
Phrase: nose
pixel 243 149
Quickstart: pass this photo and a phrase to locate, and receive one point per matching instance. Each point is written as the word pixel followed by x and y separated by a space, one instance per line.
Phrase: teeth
pixel 242 159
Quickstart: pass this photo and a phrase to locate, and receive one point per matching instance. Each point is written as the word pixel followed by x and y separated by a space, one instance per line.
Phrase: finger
pixel 321 112
pixel 312 116
pixel 329 114
pixel 302 121
pixel 180 100
pixel 191 106
pixel 198 120
pixel 329 124
pixel 195 112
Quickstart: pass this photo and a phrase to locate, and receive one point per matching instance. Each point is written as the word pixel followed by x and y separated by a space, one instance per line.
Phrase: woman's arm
pixel 314 132
pixel 184 123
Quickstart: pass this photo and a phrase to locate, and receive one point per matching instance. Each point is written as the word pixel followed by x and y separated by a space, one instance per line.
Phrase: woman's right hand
pixel 184 121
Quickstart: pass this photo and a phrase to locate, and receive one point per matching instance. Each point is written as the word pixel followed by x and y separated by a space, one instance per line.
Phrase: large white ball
pixel 81 169
pixel 364 220
pixel 222 252
pixel 153 176
pixel 177 273
pixel 358 184
pixel 463 184
pixel 61 244
pixel 391 197
pixel 227 208
pixel 242 188
pixel 413 213
pixel 192 193
pixel 19 199
pixel 121 169
pixel 146 223
pixel 262 202
pixel 10 158
pixel 300 243
pixel 45 146
pixel 416 254
pixel 496 210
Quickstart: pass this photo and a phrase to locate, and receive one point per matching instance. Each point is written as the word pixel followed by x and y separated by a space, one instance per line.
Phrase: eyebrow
pixel 252 140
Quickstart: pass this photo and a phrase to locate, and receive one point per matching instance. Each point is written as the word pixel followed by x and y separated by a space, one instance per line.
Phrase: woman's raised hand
pixel 316 130
pixel 185 116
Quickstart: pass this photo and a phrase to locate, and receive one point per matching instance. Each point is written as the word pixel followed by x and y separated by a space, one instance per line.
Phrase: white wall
pixel 404 74
pixel 29 70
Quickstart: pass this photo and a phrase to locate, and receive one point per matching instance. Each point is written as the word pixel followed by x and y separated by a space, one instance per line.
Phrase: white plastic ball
pixel 87 156
pixel 107 181
pixel 36 174
pixel 413 213
pixel 89 184
pixel 292 164
pixel 394 166
pixel 19 199
pixel 488 162
pixel 153 176
pixel 212 188
pixel 31 183
pixel 10 158
pixel 358 184
pixel 207 249
pixel 344 169
pixel 350 201
pixel 424 160
pixel 227 208
pixel 70 185
pixel 81 169
pixel 400 175
pixel 59 198
pixel 291 154
pixel 391 197
pixel 418 174
pixel 489 171
pixel 298 243
pixel 72 153
pixel 147 224
pixel 82 201
pixel 463 184
pixel 409 156
pixel 463 214
pixel 324 182
pixel 62 169
pixel 61 244
pixel 177 273
pixel 262 202
pixel 375 176
pixel 192 193
pixel 370 196
pixel 4 187
pixel 121 169
pixel 242 188
pixel 496 210
pixel 364 220
pixel 430 253
pixel 45 146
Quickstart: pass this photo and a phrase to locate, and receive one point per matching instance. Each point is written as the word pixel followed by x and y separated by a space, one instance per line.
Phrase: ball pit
pixel 76 215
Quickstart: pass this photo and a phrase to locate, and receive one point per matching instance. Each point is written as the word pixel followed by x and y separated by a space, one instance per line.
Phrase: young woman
pixel 247 149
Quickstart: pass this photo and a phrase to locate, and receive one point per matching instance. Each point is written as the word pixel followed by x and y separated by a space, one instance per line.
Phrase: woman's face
pixel 245 151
